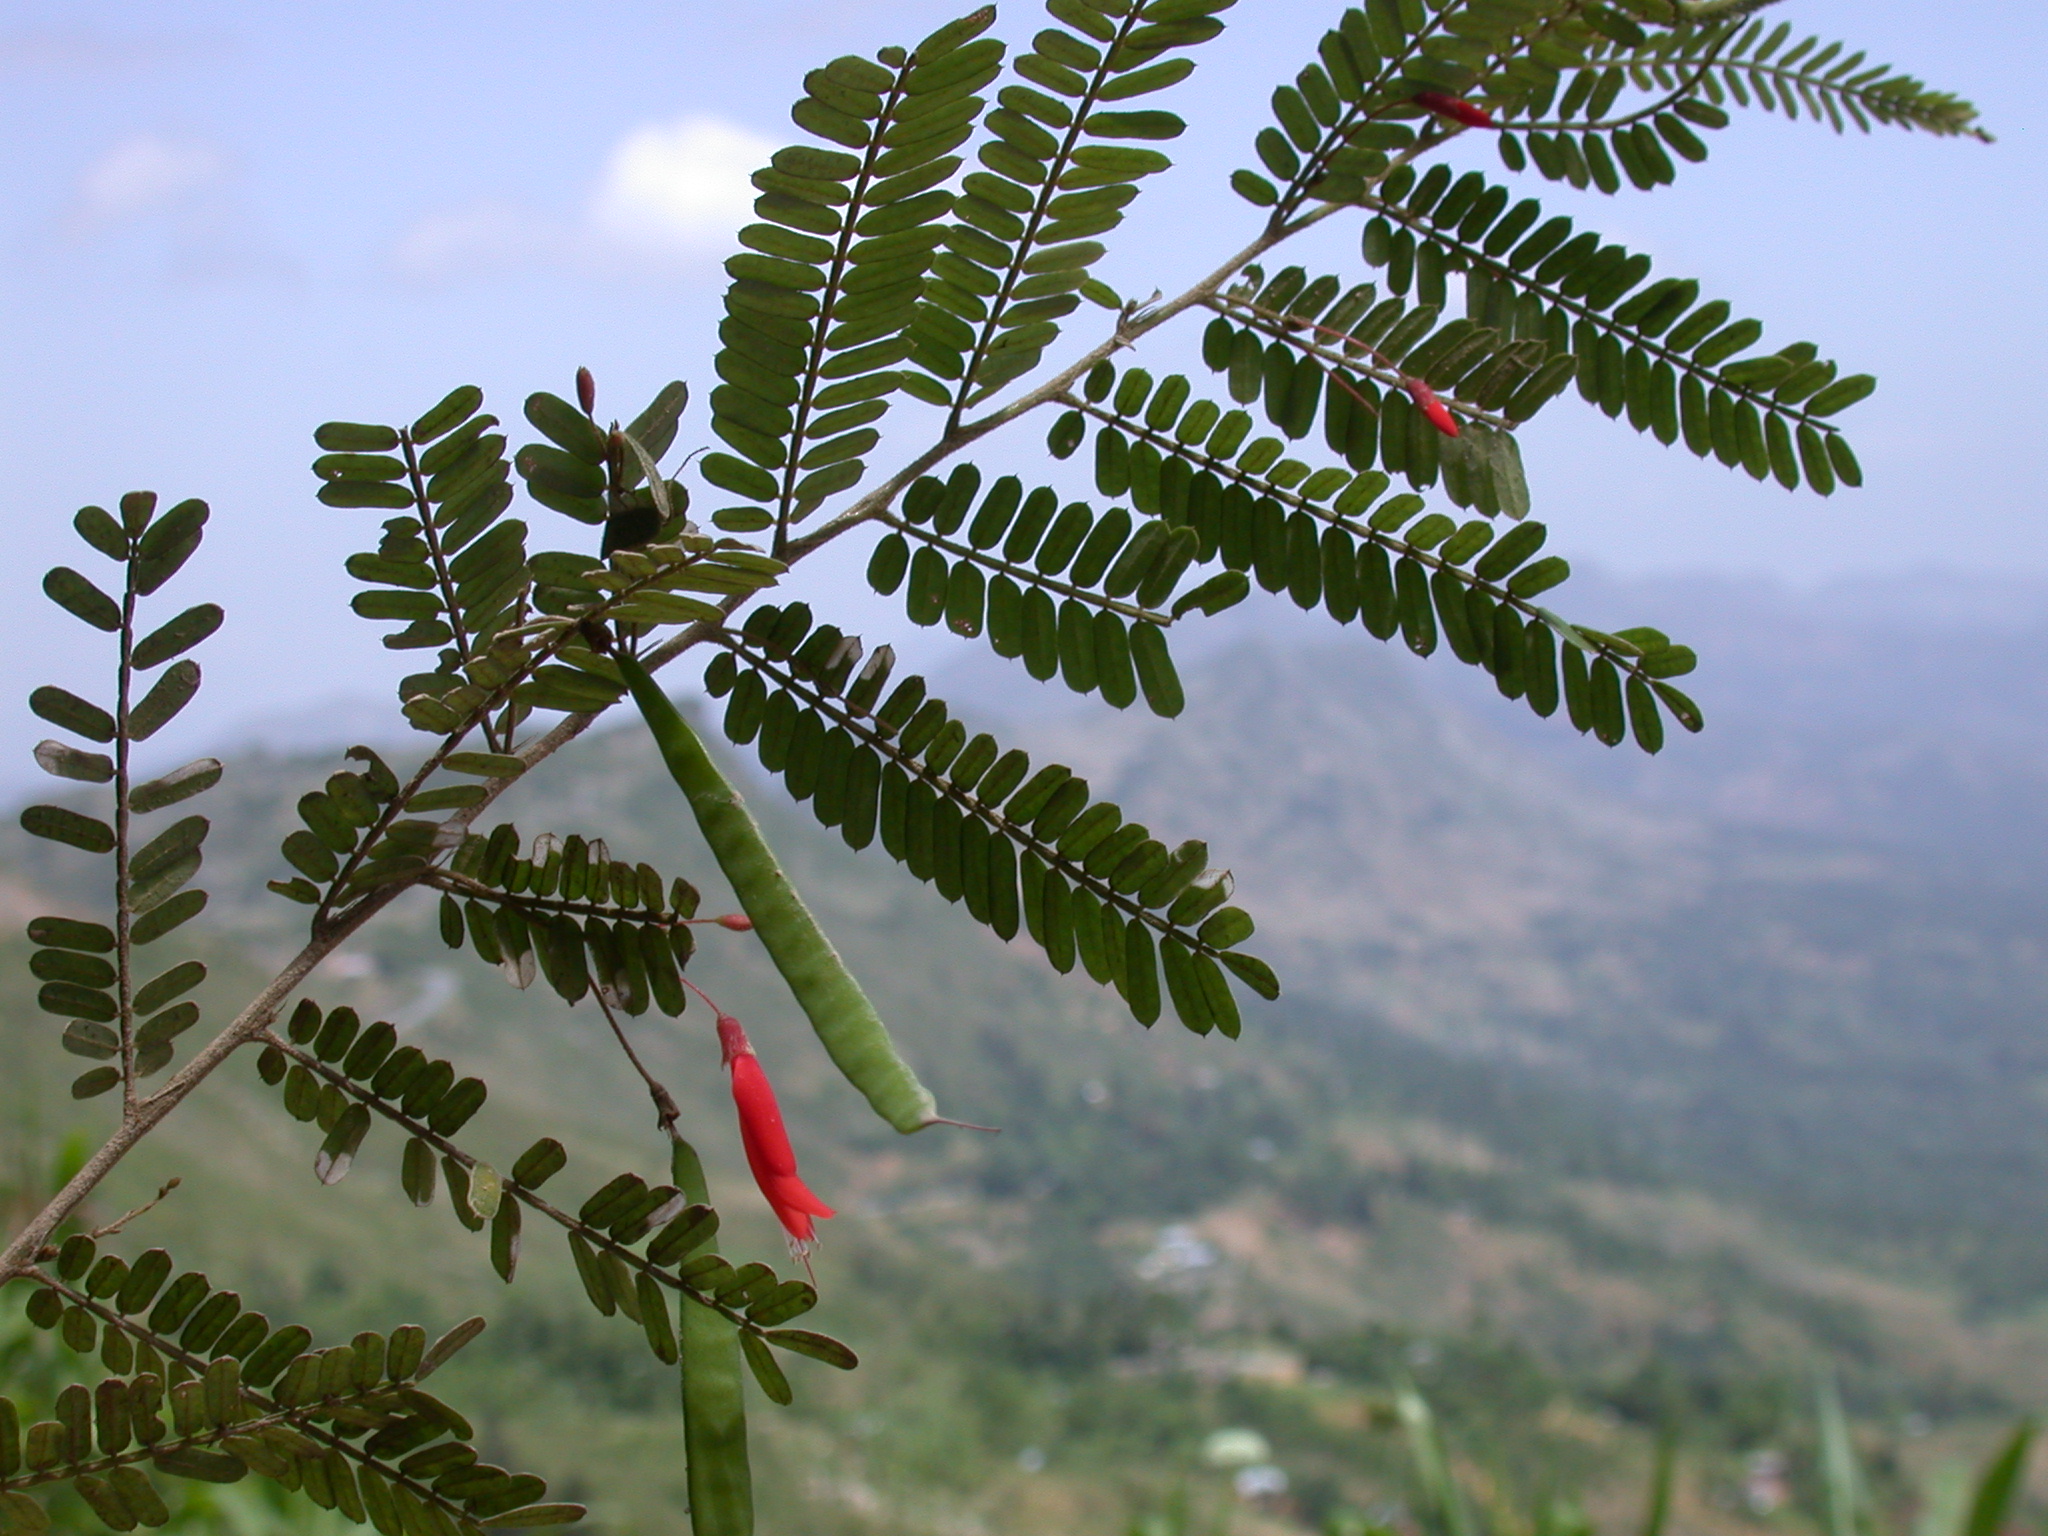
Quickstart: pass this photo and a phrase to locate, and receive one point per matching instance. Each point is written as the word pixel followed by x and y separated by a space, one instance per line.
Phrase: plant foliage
pixel 926 244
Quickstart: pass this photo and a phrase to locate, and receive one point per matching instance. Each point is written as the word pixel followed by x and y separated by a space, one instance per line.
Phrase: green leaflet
pixel 66 762
pixel 845 1021
pixel 178 636
pixel 78 597
pixel 61 825
pixel 72 713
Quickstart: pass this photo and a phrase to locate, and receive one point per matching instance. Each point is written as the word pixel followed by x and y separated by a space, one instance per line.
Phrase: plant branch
pixel 597 1237
pixel 337 927
pixel 21 1250
pixel 299 1417
pixel 162 1194
pixel 1134 324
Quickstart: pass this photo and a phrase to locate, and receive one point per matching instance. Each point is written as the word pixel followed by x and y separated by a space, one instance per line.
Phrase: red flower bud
pixel 586 391
pixel 1456 108
pixel 1426 402
pixel 738 922
pixel 762 1133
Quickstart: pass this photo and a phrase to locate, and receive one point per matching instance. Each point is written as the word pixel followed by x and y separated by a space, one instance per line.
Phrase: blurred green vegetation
pixel 1170 1238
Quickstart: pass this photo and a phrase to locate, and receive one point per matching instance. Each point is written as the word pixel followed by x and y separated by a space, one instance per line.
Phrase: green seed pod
pixel 846 1022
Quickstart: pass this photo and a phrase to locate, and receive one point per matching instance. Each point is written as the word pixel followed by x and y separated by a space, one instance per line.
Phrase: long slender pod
pixel 853 1033
pixel 719 1475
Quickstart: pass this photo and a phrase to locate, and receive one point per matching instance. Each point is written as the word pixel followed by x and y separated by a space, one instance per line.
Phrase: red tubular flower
pixel 1456 108
pixel 769 1153
pixel 586 391
pixel 1426 402
pixel 738 922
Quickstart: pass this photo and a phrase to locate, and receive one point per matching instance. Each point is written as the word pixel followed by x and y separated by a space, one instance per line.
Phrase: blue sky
pixel 224 223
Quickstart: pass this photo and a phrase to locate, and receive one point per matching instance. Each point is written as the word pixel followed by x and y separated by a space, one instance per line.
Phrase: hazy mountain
pixel 1734 1056
pixel 1906 713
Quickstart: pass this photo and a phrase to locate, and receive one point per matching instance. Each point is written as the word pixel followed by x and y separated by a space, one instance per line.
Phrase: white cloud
pixel 478 237
pixel 678 188
pixel 667 193
pixel 145 174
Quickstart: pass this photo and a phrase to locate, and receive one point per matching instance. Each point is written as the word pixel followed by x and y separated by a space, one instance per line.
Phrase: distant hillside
pixel 1906 713
pixel 1841 1028
pixel 1572 1076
